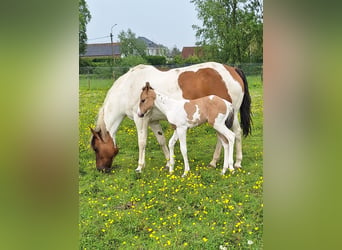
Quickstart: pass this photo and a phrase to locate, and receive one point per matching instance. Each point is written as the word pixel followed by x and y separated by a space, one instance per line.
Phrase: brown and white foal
pixel 184 114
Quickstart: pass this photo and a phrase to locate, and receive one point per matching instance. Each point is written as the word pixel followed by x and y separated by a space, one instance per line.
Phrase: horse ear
pixel 93 132
pixel 148 86
pixel 96 134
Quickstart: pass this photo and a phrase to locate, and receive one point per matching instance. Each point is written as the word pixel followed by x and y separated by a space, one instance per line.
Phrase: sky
pixel 164 22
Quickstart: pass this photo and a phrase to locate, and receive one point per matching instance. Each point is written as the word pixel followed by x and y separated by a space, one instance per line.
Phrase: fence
pixel 108 74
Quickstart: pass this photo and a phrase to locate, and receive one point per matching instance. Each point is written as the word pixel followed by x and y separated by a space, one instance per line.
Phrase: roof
pixel 191 51
pixel 102 49
pixel 148 42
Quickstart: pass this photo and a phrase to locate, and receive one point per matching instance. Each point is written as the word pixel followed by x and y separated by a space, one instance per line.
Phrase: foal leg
pixel 158 132
pixel 227 138
pixel 172 143
pixel 217 153
pixel 141 124
pixel 182 140
pixel 238 144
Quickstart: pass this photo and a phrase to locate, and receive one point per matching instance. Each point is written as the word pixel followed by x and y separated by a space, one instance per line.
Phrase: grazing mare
pixel 189 82
pixel 184 114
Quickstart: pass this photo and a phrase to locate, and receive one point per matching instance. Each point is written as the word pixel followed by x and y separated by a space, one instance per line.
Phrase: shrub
pixel 156 60
pixel 130 61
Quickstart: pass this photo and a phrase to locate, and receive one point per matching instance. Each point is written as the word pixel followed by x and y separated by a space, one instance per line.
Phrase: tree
pixel 231 30
pixel 175 51
pixel 84 18
pixel 130 45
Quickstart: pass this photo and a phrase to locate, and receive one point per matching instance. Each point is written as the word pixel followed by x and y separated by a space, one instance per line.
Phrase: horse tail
pixel 245 108
pixel 230 119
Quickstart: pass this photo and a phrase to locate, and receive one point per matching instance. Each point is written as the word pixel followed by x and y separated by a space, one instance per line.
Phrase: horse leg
pixel 158 132
pixel 227 138
pixel 141 124
pixel 217 153
pixel 238 142
pixel 172 143
pixel 182 140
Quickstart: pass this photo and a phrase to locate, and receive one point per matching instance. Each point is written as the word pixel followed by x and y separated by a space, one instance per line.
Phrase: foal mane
pixel 147 87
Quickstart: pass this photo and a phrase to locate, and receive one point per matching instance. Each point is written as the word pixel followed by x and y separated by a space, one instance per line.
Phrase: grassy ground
pixel 154 210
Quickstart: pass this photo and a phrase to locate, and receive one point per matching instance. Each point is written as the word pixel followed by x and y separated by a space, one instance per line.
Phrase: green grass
pixel 95 84
pixel 154 210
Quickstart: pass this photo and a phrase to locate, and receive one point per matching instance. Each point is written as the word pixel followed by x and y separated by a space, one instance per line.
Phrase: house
pixel 102 50
pixel 110 50
pixel 153 49
pixel 191 51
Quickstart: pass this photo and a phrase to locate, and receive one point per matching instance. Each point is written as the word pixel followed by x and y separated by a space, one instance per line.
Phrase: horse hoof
pixel 184 175
pixel 138 171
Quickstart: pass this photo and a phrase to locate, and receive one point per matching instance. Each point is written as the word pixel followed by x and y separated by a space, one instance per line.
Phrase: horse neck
pixel 165 103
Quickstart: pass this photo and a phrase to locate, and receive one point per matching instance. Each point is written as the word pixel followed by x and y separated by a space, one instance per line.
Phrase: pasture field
pixel 156 210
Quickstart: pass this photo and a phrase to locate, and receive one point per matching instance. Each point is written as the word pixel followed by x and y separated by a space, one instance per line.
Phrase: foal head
pixel 147 98
pixel 105 149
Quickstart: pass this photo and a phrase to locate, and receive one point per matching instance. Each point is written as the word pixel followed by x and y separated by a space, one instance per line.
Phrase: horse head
pixel 147 98
pixel 105 149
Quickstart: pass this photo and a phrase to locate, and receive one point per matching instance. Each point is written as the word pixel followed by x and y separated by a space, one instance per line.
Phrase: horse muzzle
pixel 104 169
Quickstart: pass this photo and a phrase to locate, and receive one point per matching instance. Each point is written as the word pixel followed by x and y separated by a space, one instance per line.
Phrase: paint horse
pixel 190 82
pixel 184 114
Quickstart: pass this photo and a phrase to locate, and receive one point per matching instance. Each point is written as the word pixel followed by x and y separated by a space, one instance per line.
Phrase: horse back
pixel 214 79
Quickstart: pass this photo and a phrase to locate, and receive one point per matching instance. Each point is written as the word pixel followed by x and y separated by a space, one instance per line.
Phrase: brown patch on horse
pixel 209 108
pixel 236 76
pixel 105 149
pixel 201 83
pixel 191 108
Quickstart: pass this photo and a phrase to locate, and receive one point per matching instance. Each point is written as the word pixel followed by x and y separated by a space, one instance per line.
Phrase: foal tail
pixel 230 119
pixel 245 108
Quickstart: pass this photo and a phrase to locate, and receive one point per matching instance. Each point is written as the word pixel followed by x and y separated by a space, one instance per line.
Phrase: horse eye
pixel 143 100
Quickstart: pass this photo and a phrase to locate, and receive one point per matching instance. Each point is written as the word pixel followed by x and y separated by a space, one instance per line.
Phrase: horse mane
pixel 100 124
pixel 147 86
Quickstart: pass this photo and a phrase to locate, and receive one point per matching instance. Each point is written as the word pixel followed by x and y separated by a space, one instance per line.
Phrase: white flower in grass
pixel 249 242
pixel 223 248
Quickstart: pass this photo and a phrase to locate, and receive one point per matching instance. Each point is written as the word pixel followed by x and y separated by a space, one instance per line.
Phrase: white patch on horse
pixel 197 115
